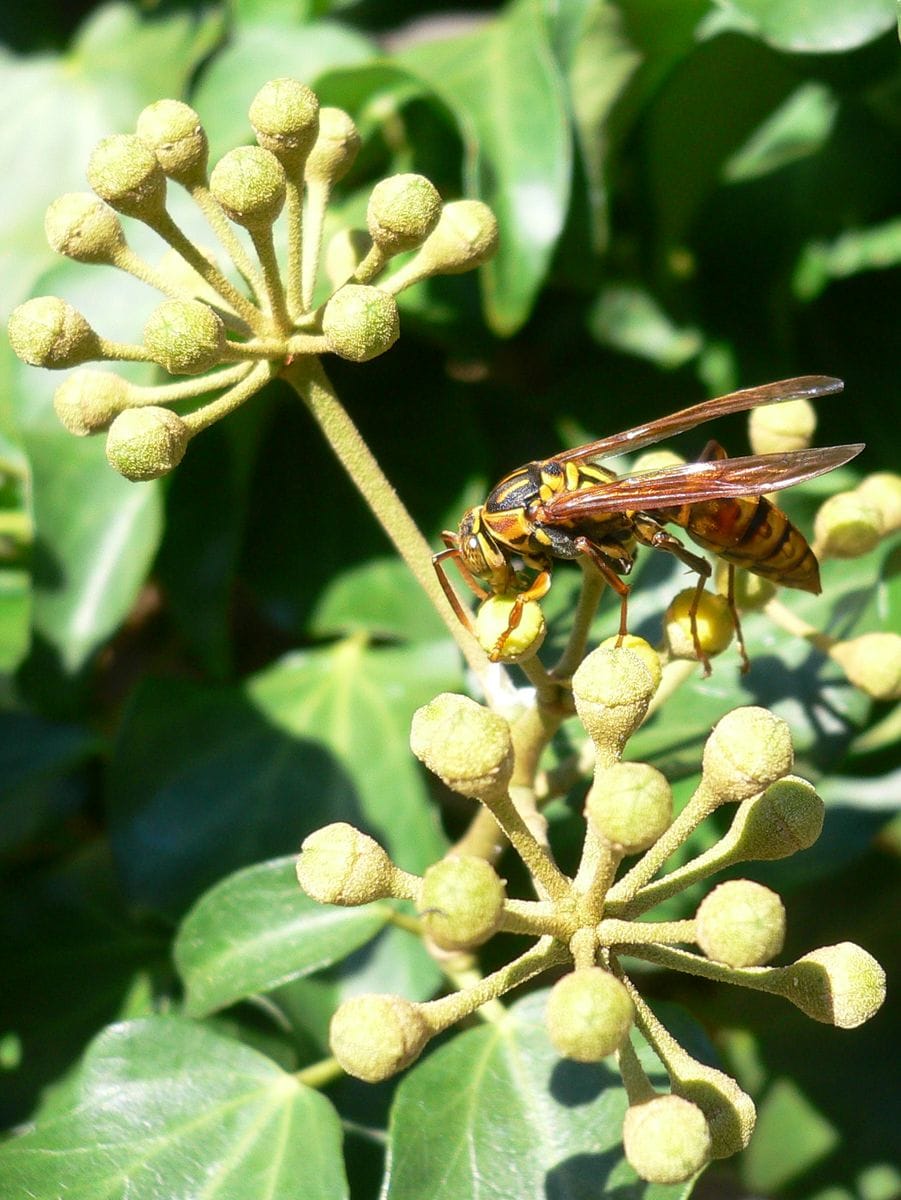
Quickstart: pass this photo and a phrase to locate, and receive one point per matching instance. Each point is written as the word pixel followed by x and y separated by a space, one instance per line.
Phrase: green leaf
pixel 824 27
pixel 15 617
pixel 875 249
pixel 166 1108
pixel 245 773
pixel 505 89
pixel 256 930
pixel 797 128
pixel 497 1103
pixel 380 597
pixel 630 320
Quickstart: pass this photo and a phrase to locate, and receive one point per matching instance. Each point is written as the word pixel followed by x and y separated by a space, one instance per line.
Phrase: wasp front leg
pixel 453 599
pixel 537 590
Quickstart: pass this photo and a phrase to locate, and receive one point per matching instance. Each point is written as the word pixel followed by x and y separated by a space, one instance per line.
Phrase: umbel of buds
pixel 225 341
pixel 589 925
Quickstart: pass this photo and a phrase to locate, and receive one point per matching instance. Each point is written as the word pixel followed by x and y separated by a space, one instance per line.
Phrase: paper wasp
pixel 570 507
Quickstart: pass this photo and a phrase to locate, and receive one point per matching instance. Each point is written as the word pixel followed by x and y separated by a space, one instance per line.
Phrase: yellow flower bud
pixel 741 923
pixel 882 491
pixel 48 332
pixel 872 662
pixel 846 526
pixel 87 401
pixel 643 649
pixel 461 902
pixel 335 148
pixel 285 118
pixel 630 805
pixel 666 1140
pixel 402 212
pixel 749 749
pixel 340 865
pixel 464 238
pixel 729 1112
pixel 360 322
pixel 714 624
pixel 777 427
pixel 839 985
pixel 124 172
pixel 784 819
pixel 465 745
pixel 373 1037
pixel 83 228
pixel 185 336
pixel 656 460
pixel 589 1014
pixel 145 443
pixel 249 182
pixel 612 690
pixel 174 133
pixel 492 620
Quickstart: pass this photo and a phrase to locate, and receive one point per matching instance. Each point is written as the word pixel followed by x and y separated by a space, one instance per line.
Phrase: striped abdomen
pixel 751 532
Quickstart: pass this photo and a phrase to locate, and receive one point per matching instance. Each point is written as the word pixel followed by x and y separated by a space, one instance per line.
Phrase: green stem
pixel 294 217
pixel 320 1074
pixel 589 596
pixel 202 418
pixel 274 288
pixel 612 932
pixel 218 222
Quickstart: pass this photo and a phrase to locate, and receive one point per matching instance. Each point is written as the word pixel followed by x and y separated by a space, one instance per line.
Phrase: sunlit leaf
pixel 874 249
pixel 798 127
pixel 825 27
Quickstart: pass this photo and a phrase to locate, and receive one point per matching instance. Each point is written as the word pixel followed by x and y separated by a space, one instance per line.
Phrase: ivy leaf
pixel 497 1103
pixel 797 128
pixel 256 930
pixel 165 1108
pixel 826 27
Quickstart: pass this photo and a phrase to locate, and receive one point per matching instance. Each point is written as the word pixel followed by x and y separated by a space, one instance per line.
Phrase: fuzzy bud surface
pixel 340 865
pixel 375 1036
pixel 465 744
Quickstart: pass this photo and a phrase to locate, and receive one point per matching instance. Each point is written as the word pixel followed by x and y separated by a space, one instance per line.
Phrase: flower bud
pixel 464 238
pixel 612 690
pixel 335 148
pixel 630 805
pixel 145 443
pixel 124 172
pixel 839 985
pixel 784 819
pixel 285 117
pixel 340 865
pixel 666 1140
pixel 713 620
pixel 373 1037
pixel 465 745
pixel 643 649
pixel 741 924
pixel 749 749
pixel 461 902
pixel 778 427
pixel 48 332
pixel 729 1112
pixel 882 491
pixel 872 662
pixel 752 592
pixel 523 642
pixel 402 212
pixel 174 133
pixel 589 1014
pixel 87 401
pixel 360 322
pixel 249 183
pixel 83 228
pixel 185 336
pixel 846 526
pixel 656 460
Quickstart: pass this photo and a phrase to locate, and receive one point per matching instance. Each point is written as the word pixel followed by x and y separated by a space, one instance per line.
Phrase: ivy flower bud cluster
pixel 589 923
pixel 224 339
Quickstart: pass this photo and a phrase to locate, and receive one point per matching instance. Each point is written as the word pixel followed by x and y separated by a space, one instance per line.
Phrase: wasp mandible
pixel 570 507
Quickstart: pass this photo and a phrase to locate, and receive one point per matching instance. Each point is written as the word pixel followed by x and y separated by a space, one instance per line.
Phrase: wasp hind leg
pixel 591 552
pixel 661 539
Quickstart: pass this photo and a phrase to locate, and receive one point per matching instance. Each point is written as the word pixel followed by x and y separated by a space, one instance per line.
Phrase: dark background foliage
pixel 693 195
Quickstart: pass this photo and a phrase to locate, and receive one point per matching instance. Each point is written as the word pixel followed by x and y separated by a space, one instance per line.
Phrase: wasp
pixel 572 507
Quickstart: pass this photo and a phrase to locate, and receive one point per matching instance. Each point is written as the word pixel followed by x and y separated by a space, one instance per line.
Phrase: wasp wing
pixel 693 483
pixel 804 387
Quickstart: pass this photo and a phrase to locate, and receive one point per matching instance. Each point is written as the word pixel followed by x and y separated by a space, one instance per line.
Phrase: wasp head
pixel 480 553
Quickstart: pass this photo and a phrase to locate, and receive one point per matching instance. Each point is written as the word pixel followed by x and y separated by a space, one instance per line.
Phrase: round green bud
pixel 335 148
pixel 846 526
pixel 340 865
pixel 88 401
pixel 360 322
pixel 639 646
pixel 402 212
pixel 872 662
pixel 83 228
pixel 48 332
pixel 373 1037
pixel 589 1014
pixel 465 745
pixel 344 253
pixel 656 460
pixel 461 902
pixel 777 427
pixel 839 985
pixel 285 118
pixel 752 592
pixel 249 182
pixel 741 924
pixel 749 749
pixel 630 805
pixel 145 443
pixel 124 172
pixel 185 336
pixel 784 819
pixel 882 491
pixel 492 621
pixel 666 1140
pixel 174 133
pixel 612 689
pixel 713 621
pixel 465 237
